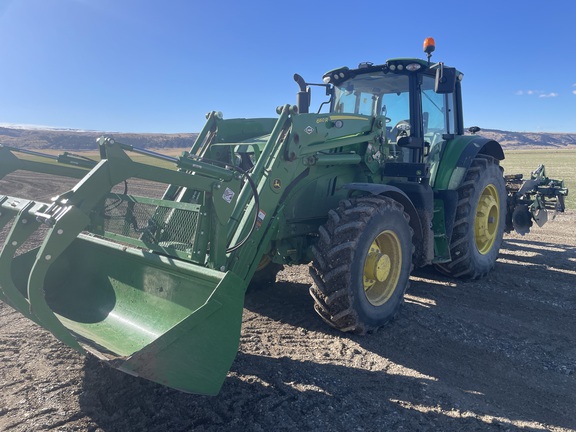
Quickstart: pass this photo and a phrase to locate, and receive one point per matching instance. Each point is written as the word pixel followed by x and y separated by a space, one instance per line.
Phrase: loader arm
pixel 287 160
pixel 66 164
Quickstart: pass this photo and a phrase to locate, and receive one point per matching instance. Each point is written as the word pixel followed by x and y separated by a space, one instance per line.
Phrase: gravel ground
pixel 492 355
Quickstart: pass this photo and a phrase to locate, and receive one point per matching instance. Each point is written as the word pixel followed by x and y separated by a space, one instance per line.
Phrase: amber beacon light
pixel 429 46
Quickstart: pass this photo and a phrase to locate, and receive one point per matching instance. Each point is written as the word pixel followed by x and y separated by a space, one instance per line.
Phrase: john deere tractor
pixel 382 179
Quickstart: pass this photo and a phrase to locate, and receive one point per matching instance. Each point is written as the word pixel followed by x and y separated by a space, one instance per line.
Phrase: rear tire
pixel 480 221
pixel 362 264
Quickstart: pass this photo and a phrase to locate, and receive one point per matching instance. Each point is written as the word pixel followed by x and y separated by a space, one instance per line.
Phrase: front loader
pixel 384 181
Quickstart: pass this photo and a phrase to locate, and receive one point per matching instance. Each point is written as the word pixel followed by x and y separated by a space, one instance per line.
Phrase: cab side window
pixel 438 112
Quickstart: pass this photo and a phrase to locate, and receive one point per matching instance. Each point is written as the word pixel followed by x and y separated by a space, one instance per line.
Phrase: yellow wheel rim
pixel 487 219
pixel 382 268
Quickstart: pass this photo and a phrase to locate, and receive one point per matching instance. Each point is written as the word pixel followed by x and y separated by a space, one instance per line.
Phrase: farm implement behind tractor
pixel 384 181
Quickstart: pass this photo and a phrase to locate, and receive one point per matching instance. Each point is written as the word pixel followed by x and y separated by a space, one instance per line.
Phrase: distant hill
pixel 85 140
pixel 517 140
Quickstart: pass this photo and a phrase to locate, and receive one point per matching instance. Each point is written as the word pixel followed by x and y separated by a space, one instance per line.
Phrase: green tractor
pixel 384 181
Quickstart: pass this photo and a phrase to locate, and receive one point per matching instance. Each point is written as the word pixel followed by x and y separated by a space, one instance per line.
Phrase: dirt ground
pixel 492 355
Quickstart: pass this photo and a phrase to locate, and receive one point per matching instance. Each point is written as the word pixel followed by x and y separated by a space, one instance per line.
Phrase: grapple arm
pixel 127 277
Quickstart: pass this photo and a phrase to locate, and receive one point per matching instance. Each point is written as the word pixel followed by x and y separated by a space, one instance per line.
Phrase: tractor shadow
pixel 264 393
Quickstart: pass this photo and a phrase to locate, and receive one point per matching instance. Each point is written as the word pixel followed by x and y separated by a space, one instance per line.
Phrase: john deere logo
pixel 276 184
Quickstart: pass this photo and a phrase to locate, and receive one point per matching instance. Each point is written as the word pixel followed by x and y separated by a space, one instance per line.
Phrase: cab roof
pixel 395 65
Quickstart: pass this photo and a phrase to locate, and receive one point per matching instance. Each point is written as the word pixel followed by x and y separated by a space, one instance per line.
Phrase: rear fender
pixel 452 158
pixel 449 162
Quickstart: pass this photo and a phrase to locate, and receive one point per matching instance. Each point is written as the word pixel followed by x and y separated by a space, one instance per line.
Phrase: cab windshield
pixel 387 95
pixel 374 94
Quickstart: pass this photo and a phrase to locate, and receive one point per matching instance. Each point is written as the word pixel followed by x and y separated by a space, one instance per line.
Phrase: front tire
pixel 362 264
pixel 480 221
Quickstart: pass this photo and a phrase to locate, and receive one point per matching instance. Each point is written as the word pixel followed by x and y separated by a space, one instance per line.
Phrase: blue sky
pixel 151 66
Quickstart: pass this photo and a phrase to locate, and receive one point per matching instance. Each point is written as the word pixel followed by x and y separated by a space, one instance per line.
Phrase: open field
pixel 498 354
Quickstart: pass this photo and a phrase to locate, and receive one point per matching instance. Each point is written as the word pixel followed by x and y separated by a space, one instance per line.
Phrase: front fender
pixel 416 211
pixel 378 189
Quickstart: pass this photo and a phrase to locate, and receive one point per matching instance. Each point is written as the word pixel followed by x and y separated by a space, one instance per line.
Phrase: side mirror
pixel 445 80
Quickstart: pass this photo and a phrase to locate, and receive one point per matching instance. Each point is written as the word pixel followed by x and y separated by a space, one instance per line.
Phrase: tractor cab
pixel 410 95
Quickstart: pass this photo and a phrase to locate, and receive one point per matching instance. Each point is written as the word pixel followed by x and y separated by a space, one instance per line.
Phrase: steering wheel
pixel 402 128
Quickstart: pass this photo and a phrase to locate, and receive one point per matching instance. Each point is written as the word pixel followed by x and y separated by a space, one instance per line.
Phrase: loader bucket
pixel 149 315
